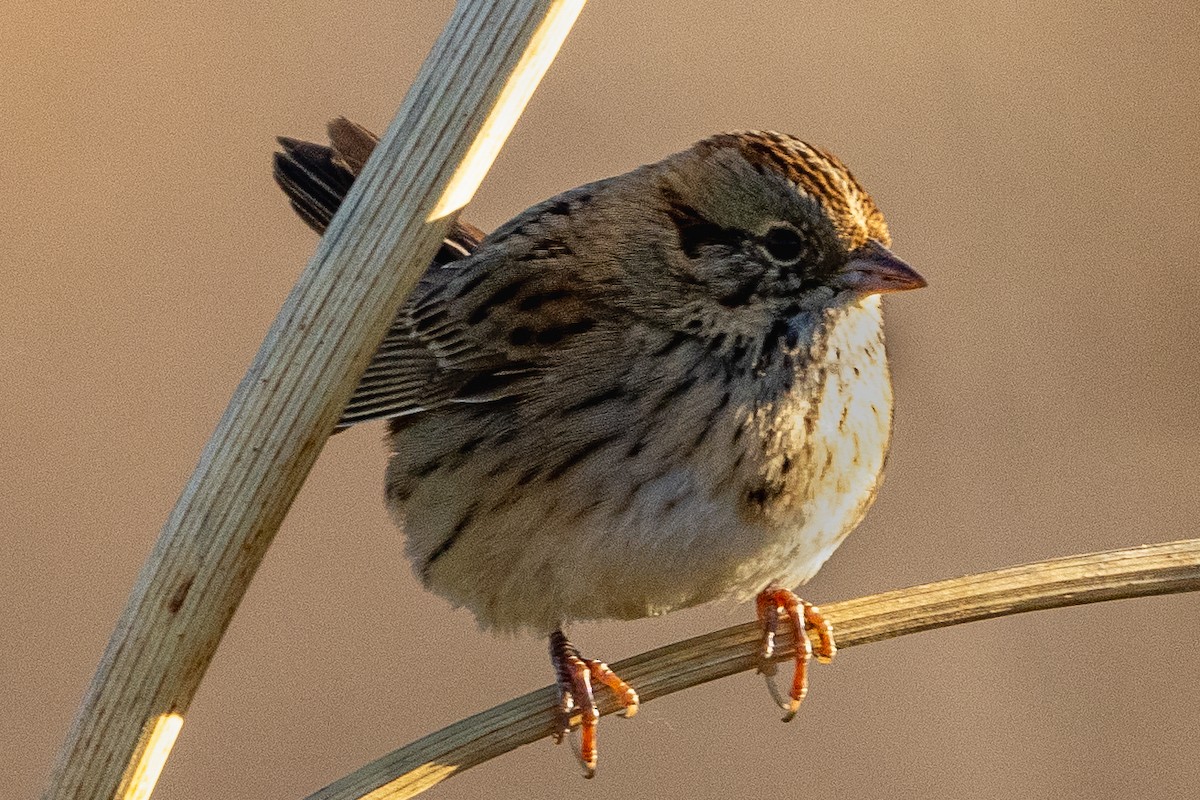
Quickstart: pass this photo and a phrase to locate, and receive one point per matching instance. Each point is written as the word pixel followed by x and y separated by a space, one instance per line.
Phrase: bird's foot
pixel 575 676
pixel 801 617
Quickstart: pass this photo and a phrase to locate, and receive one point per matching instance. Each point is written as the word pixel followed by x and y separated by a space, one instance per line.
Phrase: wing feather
pixel 426 360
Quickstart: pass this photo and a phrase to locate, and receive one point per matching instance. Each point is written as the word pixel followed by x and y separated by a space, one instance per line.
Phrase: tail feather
pixel 353 143
pixel 313 182
pixel 316 179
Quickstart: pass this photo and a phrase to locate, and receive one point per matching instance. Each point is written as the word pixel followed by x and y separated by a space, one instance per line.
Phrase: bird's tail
pixel 316 178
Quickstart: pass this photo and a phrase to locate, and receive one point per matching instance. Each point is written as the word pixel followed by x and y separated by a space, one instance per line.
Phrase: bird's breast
pixel 703 484
pixel 821 446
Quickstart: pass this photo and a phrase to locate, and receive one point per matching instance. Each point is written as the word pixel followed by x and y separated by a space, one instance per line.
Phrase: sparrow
pixel 652 391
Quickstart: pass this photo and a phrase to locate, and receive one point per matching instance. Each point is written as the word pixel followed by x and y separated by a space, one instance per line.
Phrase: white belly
pixel 766 496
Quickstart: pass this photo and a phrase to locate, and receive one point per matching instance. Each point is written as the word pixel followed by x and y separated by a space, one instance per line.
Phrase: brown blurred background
pixel 1040 165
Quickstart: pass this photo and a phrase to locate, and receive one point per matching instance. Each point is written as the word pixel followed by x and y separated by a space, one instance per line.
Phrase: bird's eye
pixel 783 243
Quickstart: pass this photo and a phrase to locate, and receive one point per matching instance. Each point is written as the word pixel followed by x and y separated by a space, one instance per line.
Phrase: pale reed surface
pixel 1116 574
pixel 459 110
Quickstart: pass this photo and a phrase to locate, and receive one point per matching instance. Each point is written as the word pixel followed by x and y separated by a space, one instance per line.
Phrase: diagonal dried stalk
pixel 1116 574
pixel 460 109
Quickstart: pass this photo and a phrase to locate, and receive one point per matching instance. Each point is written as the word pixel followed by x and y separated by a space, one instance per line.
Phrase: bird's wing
pixel 426 360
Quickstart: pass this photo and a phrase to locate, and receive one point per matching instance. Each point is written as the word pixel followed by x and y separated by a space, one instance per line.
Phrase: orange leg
pixel 575 677
pixel 775 602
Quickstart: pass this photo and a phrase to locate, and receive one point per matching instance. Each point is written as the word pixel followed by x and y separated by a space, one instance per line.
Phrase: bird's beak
pixel 872 269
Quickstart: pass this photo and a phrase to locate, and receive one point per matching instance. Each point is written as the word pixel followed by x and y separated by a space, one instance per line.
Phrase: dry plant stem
pixel 1134 572
pixel 490 56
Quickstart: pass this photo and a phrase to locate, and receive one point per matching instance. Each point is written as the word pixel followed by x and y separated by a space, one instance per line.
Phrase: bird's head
pixel 763 225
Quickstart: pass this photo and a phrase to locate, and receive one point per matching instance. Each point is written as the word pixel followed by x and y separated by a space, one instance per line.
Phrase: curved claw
pixel 773 689
pixel 772 603
pixel 575 677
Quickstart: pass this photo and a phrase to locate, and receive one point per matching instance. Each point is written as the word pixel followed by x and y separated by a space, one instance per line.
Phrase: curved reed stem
pixel 1075 580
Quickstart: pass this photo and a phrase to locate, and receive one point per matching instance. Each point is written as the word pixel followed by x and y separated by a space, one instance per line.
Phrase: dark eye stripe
pixel 696 232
